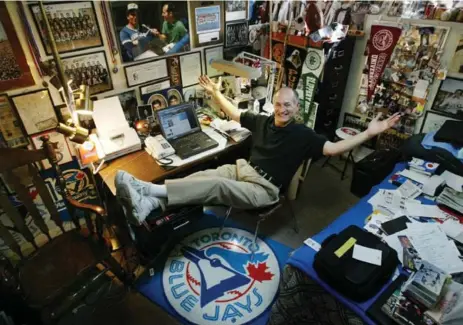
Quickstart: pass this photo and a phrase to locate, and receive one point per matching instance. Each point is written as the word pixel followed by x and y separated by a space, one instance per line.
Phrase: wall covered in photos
pixel 100 33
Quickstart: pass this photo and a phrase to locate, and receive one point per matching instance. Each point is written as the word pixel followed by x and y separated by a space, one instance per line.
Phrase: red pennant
pixel 380 47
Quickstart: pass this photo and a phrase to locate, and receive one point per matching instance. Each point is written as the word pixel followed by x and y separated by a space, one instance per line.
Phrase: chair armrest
pixel 88 207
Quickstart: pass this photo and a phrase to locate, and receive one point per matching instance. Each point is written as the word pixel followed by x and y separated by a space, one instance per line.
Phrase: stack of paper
pixel 422 166
pixel 453 181
pixel 426 285
pixel 452 199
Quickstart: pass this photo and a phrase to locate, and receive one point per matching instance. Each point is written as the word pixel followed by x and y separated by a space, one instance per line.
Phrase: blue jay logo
pixel 215 277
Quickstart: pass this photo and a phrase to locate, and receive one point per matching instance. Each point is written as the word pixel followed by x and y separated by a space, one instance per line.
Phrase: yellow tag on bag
pixel 345 247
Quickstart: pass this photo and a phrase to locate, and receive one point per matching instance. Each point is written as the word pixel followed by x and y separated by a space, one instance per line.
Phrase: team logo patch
pixel 313 60
pixel 210 277
pixel 383 40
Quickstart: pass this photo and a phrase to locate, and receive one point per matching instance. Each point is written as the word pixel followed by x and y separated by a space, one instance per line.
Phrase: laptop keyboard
pixel 192 141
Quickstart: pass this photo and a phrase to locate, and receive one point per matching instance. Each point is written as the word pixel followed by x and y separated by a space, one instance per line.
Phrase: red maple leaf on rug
pixel 259 273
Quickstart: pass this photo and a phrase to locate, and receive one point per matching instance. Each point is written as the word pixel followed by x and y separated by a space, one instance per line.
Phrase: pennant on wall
pixel 381 45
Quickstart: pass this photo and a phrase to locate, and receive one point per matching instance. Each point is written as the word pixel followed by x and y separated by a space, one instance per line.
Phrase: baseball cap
pixel 132 8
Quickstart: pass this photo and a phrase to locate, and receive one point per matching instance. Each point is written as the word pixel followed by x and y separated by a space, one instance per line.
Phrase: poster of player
pixel 449 98
pixel 73 24
pixel 147 29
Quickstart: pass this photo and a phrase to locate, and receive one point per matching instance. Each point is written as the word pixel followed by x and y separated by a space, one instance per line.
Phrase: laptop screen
pixel 177 121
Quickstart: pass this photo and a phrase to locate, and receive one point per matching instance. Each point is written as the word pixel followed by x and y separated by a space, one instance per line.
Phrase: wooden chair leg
pixel 117 269
pixel 227 214
pixel 293 215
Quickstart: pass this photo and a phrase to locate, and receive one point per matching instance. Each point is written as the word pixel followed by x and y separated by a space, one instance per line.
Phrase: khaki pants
pixel 238 186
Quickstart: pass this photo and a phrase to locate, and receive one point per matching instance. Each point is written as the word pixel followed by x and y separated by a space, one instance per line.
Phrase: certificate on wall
pixel 36 111
pixel 10 127
pixel 138 74
pixel 190 70
pixel 213 53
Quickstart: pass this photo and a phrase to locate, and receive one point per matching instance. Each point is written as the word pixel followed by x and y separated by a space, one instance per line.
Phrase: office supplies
pixel 180 127
pixel 114 133
pixel 158 147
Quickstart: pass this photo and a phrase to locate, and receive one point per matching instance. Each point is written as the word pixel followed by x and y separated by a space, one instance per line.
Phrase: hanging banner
pixel 294 61
pixel 381 45
pixel 314 61
pixel 310 86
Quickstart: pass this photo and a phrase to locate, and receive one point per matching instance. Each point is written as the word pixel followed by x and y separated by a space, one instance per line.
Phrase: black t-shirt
pixel 279 151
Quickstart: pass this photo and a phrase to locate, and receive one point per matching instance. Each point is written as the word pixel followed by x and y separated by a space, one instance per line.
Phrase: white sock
pixel 157 190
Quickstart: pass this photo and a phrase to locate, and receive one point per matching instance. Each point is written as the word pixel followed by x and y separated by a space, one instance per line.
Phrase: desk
pixel 143 166
pixel 303 257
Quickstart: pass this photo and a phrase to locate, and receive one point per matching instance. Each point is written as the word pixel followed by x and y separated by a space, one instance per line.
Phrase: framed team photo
pixel 148 29
pixel 449 98
pixel 236 34
pixel 74 25
pixel 88 69
pixel 14 70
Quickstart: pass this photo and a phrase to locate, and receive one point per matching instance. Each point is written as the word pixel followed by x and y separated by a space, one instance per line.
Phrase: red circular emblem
pixel 382 40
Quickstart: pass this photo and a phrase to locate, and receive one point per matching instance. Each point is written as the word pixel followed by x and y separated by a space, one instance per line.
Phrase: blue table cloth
pixel 303 257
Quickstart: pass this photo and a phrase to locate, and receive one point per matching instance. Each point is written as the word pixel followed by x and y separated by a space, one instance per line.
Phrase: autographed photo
pixel 449 98
pixel 147 29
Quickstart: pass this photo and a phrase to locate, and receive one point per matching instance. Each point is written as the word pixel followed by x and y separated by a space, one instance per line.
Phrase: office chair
pixel 265 212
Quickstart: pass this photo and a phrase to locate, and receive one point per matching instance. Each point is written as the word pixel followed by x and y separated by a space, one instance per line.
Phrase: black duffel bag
pixel 354 279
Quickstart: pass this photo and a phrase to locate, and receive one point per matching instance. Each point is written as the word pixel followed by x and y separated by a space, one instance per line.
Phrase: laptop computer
pixel 180 126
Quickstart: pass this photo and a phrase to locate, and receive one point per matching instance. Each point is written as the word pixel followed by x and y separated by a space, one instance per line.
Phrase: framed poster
pixel 190 70
pixel 73 24
pixel 10 126
pixel 433 121
pixel 148 29
pixel 138 74
pixel 89 69
pixel 153 94
pixel 14 70
pixel 207 22
pixel 236 34
pixel 36 111
pixel 213 53
pixel 63 153
pixel 235 10
pixel 449 97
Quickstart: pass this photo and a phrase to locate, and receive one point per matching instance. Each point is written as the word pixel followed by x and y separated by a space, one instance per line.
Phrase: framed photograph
pixel 235 10
pixel 36 111
pixel 14 70
pixel 236 34
pixel 449 98
pixel 213 53
pixel 89 69
pixel 456 67
pixel 10 125
pixel 433 121
pixel 63 153
pixel 73 24
pixel 138 74
pixel 258 11
pixel 207 27
pixel 152 94
pixel 191 68
pixel 148 29
pixel 129 103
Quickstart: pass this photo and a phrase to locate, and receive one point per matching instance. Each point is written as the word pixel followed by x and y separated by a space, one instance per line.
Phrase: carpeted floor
pixel 321 200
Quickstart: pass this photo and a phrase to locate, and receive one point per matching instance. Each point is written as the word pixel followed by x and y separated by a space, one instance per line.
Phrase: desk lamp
pixel 250 66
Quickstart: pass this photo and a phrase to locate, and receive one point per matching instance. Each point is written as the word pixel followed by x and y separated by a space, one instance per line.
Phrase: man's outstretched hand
pixel 376 126
pixel 209 85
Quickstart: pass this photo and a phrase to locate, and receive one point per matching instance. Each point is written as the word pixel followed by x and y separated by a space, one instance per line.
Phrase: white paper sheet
pixel 409 190
pixel 420 178
pixel 190 65
pixel 431 185
pixel 312 244
pixel 453 229
pixel 416 209
pixel 366 254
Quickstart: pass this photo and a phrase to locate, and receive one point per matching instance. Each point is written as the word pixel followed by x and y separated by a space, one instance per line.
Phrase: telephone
pixel 158 147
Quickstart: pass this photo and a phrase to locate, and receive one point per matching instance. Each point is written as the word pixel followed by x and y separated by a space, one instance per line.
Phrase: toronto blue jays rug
pixel 213 277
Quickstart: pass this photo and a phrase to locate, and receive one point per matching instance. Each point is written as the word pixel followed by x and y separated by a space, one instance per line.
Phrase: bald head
pixel 287 91
pixel 285 105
